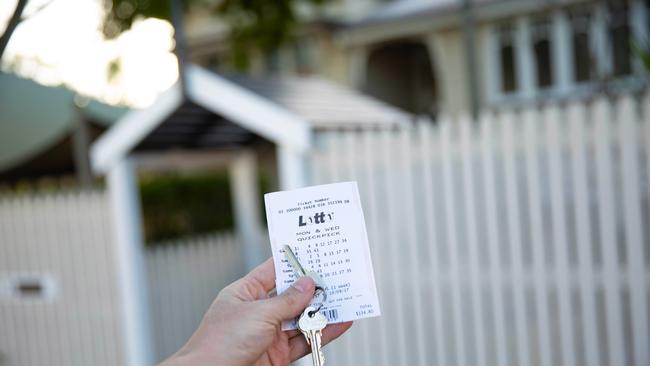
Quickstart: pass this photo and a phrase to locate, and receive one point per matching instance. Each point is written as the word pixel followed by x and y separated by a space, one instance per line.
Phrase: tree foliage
pixel 255 25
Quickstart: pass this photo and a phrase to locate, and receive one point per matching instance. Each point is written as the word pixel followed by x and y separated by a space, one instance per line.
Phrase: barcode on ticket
pixel 331 315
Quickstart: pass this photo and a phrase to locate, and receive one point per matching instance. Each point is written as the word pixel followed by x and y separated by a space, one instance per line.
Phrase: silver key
pixel 311 324
pixel 300 270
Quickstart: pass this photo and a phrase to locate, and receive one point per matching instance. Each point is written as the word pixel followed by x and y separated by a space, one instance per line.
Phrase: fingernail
pixel 302 284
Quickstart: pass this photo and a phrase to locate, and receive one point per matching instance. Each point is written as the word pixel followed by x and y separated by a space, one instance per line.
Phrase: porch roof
pixel 213 113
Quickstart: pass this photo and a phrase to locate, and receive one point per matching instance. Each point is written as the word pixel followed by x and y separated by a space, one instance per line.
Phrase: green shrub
pixel 185 205
pixel 178 205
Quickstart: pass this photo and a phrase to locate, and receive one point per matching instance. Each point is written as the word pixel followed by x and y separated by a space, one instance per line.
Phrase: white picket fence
pixel 520 240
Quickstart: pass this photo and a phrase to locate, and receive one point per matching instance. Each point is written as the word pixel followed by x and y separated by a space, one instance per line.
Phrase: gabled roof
pixel 34 118
pixel 212 107
pixel 324 104
pixel 219 113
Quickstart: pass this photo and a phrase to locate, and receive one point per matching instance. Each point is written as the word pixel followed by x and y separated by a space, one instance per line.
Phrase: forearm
pixel 192 357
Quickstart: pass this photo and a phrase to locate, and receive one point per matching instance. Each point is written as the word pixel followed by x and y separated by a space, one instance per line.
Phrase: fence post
pixel 246 205
pixel 125 204
pixel 292 167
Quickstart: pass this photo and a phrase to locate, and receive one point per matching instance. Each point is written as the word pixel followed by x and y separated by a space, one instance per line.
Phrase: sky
pixel 63 44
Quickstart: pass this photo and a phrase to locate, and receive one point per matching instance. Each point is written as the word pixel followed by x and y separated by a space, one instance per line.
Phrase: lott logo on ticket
pixel 318 218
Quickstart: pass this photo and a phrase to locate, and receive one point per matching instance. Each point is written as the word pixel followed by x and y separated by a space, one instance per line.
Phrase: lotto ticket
pixel 325 228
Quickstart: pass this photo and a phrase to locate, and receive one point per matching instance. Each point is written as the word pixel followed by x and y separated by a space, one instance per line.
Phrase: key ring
pixel 320 305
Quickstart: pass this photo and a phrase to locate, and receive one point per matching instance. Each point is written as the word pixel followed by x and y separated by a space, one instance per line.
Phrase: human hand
pixel 242 327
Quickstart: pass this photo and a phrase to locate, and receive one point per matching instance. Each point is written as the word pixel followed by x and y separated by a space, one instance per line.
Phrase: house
pixel 413 53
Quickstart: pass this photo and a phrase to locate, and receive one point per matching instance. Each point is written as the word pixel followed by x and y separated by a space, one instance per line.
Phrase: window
pixel 541 33
pixel 507 59
pixel 583 63
pixel 620 37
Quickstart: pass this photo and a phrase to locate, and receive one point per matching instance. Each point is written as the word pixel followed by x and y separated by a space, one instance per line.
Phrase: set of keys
pixel 311 322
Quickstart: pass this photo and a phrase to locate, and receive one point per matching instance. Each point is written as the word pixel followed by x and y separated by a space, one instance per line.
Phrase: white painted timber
pixel 607 223
pixel 600 41
pixel 628 132
pixel 554 121
pixel 468 158
pixel 214 93
pixel 248 109
pixel 562 55
pixel 244 186
pixel 129 246
pixel 578 134
pixel 535 202
pixel 514 235
pixel 525 61
pixel 640 13
pixel 292 167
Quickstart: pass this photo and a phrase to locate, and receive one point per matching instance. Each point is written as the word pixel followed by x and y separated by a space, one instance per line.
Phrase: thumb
pixel 292 301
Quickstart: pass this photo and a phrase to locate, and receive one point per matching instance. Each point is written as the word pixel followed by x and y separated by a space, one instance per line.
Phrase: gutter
pixel 437 18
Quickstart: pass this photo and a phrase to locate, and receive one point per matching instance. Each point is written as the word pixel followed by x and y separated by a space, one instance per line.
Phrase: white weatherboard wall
pixel 519 240
pixel 65 240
